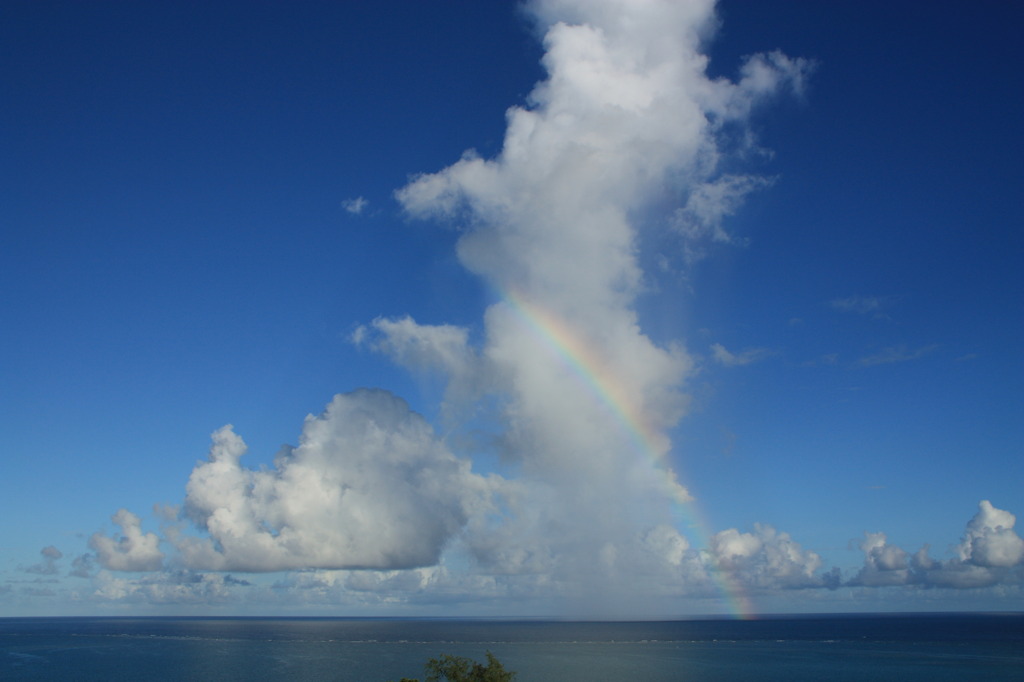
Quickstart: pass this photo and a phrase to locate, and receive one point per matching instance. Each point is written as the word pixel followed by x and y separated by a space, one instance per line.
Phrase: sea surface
pixel 891 647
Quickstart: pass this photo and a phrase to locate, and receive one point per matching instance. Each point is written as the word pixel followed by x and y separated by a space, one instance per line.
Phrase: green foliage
pixel 450 668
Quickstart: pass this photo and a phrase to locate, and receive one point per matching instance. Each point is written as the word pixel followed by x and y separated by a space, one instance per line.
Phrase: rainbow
pixel 572 350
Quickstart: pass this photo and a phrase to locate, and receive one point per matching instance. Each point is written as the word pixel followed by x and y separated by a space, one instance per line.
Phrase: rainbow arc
pixel 572 350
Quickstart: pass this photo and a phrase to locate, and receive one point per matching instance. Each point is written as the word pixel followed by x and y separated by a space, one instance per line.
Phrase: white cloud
pixel 667 544
pixel 368 486
pixel 442 349
pixel 895 354
pixel 421 347
pixel 355 206
pixel 990 540
pixel 766 559
pixel 864 305
pixel 627 109
pixel 884 564
pixel 700 221
pixel 729 359
pixel 990 553
pixel 132 551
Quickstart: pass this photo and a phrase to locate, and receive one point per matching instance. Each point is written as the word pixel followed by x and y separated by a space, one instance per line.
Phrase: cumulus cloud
pixel 626 110
pixel 133 550
pixel 884 564
pixel 989 553
pixel 667 544
pixel 368 486
pixel 990 540
pixel 767 559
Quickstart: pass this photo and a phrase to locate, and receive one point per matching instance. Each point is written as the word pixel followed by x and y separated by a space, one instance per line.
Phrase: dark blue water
pixel 906 648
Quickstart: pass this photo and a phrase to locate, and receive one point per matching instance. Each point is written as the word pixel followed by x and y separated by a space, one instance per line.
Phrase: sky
pixel 595 309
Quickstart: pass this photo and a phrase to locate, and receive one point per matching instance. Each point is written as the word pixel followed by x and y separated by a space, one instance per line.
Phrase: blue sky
pixel 794 276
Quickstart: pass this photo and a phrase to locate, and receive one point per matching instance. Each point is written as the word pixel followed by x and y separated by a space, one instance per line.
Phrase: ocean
pixel 853 647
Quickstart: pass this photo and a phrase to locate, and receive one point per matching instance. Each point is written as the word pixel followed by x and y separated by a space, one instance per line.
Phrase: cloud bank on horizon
pixel 579 501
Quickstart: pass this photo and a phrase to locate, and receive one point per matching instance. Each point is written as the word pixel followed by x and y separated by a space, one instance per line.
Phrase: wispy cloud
pixel 701 220
pixel 864 305
pixel 48 566
pixel 356 205
pixel 826 360
pixel 894 354
pixel 746 357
